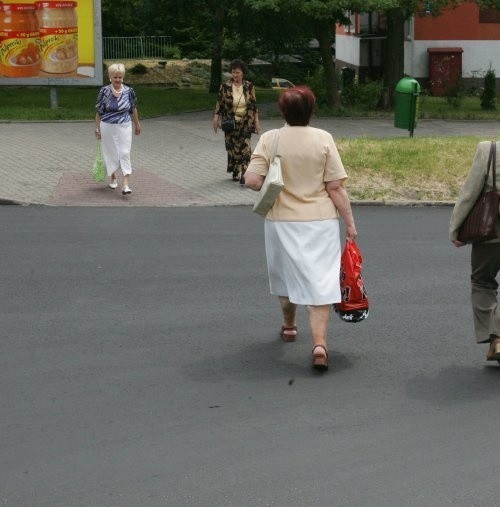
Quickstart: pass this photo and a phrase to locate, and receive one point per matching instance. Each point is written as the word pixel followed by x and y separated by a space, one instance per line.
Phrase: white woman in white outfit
pixel 116 110
pixel 302 237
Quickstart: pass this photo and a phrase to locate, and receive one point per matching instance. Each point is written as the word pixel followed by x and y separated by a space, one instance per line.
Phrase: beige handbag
pixel 273 184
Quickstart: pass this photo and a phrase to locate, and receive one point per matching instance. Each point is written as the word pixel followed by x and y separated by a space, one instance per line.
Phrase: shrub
pixel 138 69
pixel 455 93
pixel 318 85
pixel 489 92
pixel 172 53
pixel 366 95
pixel 262 81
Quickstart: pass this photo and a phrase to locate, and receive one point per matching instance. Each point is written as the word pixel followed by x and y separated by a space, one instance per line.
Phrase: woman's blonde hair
pixel 116 68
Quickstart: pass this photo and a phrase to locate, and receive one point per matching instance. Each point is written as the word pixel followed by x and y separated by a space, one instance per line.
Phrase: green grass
pixel 407 168
pixel 77 103
pixel 469 109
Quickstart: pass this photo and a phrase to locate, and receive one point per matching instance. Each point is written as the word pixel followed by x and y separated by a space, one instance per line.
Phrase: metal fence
pixel 124 48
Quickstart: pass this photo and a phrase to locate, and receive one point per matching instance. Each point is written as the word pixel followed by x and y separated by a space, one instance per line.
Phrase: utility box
pixel 445 69
pixel 406 110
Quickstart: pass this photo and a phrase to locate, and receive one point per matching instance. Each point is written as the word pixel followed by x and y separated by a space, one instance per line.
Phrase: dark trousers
pixel 485 265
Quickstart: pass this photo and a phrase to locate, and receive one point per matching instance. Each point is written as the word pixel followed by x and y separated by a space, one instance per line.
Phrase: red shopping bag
pixel 354 305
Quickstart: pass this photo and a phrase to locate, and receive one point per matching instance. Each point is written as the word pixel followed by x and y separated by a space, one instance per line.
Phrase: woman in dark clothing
pixel 236 100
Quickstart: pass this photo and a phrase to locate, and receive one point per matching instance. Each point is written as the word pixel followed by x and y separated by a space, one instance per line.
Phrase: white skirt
pixel 303 260
pixel 116 142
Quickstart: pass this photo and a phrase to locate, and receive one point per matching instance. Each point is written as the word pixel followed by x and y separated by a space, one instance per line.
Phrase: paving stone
pixel 177 160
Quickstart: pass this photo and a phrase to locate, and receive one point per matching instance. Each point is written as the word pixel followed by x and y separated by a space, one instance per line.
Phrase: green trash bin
pixel 406 111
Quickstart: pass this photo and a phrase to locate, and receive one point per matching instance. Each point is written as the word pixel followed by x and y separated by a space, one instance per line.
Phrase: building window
pixel 489 15
pixel 351 27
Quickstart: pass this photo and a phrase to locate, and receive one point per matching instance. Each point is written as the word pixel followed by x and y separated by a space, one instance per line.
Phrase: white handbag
pixel 273 184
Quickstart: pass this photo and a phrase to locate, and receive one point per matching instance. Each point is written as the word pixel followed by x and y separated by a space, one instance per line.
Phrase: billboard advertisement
pixel 50 43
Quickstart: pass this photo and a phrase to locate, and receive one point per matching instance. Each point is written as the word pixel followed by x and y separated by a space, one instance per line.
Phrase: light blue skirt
pixel 303 260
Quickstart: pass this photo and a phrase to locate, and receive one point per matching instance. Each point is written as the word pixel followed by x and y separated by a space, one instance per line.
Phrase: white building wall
pixel 347 49
pixel 478 55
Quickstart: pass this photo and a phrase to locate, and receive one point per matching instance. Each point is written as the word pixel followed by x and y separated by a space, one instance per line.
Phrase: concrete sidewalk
pixel 177 160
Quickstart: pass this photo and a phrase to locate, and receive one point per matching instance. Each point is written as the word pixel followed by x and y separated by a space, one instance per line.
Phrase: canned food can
pixel 58 24
pixel 19 40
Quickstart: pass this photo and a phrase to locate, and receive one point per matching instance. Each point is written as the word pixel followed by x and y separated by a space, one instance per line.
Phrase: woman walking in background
pixel 116 110
pixel 485 257
pixel 236 100
pixel 302 234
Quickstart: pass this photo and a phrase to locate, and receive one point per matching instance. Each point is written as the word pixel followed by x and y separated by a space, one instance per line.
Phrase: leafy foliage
pixel 489 92
pixel 365 96
pixel 264 28
pixel 455 93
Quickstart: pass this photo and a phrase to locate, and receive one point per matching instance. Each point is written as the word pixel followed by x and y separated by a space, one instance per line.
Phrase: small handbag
pixel 273 184
pixel 99 168
pixel 480 223
pixel 228 125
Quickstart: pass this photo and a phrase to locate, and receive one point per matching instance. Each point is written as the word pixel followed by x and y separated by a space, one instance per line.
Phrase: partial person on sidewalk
pixel 485 257
pixel 116 110
pixel 236 100
pixel 302 232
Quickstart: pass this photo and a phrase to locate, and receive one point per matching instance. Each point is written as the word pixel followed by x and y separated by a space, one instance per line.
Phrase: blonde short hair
pixel 116 68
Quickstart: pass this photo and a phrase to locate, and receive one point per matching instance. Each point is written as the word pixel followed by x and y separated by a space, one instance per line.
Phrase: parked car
pixel 278 83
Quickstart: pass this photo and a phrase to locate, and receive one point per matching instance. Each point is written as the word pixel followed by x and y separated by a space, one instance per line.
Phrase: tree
pixel 322 16
pixel 137 17
pixel 489 93
pixel 318 17
pixel 218 41
pixel 396 12
pixel 270 25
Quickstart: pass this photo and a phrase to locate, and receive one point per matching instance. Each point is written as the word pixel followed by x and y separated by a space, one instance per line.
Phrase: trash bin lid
pixel 407 85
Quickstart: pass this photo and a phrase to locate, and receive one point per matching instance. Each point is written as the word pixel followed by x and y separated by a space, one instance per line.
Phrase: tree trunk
pixel 323 34
pixel 394 53
pixel 216 65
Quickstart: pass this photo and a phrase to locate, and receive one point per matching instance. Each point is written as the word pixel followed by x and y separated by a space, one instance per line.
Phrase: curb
pixel 406 204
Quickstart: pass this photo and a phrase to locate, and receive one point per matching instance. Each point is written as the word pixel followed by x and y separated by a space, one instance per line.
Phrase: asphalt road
pixel 140 365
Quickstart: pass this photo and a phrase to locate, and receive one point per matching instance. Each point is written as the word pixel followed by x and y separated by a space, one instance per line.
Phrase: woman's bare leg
pixel 319 317
pixel 289 327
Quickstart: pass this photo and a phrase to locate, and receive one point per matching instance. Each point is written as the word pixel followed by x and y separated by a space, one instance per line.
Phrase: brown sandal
pixel 494 350
pixel 320 361
pixel 288 334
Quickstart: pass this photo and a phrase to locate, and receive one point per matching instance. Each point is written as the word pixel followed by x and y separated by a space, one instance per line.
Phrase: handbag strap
pixel 233 112
pixel 276 141
pixel 492 164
